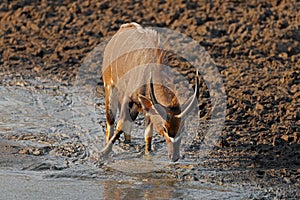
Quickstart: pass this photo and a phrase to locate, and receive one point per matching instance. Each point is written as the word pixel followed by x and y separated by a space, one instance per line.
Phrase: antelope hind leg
pixel 104 153
pixel 111 106
pixel 133 115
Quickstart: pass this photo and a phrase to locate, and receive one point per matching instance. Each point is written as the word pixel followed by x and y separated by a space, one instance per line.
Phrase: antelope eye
pixel 165 129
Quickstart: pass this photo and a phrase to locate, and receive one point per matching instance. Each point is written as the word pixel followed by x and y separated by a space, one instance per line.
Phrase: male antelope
pixel 132 75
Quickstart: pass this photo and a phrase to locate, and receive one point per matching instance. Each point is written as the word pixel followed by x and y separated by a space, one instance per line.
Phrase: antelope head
pixel 168 120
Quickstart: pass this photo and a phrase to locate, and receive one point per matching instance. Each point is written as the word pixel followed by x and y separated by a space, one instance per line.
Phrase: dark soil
pixel 255 45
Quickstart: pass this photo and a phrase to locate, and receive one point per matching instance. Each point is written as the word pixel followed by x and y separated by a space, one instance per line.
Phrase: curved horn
pixel 190 102
pixel 160 109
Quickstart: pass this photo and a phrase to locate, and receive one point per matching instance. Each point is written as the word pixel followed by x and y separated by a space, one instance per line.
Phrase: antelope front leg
pixel 148 135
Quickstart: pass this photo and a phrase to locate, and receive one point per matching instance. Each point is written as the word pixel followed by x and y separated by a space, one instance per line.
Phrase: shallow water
pixel 37 185
pixel 58 119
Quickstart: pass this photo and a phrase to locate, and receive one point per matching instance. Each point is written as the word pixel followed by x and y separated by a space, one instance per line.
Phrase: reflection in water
pixel 164 188
pixel 146 189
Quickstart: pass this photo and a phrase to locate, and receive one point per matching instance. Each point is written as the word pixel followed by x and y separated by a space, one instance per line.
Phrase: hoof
pixel 100 157
pixel 127 138
pixel 148 151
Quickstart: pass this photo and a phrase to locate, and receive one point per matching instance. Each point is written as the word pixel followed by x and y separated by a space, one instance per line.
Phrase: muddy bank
pixel 255 45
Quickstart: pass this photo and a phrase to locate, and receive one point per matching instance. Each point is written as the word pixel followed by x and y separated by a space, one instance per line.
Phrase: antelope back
pixel 130 47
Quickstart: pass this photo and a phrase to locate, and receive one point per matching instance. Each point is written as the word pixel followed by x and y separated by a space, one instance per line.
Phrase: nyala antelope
pixel 132 67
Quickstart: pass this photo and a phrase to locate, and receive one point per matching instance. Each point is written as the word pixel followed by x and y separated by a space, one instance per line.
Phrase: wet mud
pixel 53 124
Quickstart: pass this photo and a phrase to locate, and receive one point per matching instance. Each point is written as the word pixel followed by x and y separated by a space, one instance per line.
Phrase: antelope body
pixel 132 73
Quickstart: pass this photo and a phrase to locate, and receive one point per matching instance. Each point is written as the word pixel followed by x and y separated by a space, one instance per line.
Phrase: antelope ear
pixel 145 102
pixel 148 106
